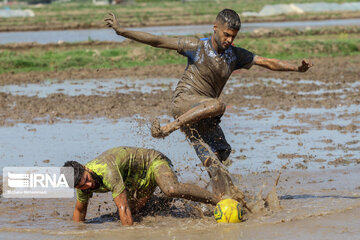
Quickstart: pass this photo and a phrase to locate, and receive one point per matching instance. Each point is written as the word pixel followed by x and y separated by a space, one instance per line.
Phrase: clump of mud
pixel 270 203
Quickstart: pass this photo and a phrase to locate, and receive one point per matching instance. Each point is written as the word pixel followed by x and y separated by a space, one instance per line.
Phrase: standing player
pixel 195 104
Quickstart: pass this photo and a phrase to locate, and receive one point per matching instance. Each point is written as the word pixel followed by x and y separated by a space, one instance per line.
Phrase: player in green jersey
pixel 131 174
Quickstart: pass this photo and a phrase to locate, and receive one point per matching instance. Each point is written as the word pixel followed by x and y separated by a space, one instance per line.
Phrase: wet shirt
pixel 121 168
pixel 207 71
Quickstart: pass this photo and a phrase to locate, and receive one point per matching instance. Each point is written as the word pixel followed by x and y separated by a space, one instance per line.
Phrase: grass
pixel 93 58
pixel 131 54
pixel 84 14
pixel 297 48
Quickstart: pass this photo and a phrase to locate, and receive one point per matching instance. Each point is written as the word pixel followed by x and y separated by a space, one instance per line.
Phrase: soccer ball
pixel 228 211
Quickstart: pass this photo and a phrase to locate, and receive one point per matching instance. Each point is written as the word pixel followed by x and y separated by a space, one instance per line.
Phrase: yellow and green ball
pixel 228 211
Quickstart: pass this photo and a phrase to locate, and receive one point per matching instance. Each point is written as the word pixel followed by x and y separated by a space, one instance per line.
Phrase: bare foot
pixel 156 130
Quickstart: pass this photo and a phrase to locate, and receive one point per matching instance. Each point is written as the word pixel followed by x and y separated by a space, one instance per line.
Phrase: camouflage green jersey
pixel 133 169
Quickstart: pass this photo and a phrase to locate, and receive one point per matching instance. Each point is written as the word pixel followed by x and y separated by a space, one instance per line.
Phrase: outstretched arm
pixel 147 38
pixel 278 65
pixel 80 211
pixel 124 209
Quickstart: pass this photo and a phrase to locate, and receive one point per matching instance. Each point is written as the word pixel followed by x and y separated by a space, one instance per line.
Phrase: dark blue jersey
pixel 207 71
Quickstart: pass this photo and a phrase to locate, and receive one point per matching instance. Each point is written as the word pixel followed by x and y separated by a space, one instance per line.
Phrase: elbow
pixel 155 44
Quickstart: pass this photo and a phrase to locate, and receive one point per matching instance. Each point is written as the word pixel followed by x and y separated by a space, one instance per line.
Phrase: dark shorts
pixel 206 135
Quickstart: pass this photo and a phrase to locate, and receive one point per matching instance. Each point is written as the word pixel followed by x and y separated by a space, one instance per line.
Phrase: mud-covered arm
pixel 278 65
pixel 147 38
pixel 124 209
pixel 80 211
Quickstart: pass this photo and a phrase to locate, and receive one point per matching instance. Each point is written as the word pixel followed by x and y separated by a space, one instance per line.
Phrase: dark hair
pixel 79 170
pixel 230 18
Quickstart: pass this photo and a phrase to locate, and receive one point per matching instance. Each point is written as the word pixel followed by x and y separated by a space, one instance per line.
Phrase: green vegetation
pixel 296 48
pixel 83 14
pixel 131 54
pixel 84 57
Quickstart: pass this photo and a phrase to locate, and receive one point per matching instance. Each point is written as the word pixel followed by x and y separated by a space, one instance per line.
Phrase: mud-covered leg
pixel 220 177
pixel 211 147
pixel 222 183
pixel 206 109
pixel 169 184
pixel 224 179
pixel 203 136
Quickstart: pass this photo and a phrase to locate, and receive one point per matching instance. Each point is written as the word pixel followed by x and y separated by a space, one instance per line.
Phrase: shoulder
pixel 245 58
pixel 241 51
pixel 82 196
pixel 150 153
pixel 190 39
pixel 106 161
pixel 189 43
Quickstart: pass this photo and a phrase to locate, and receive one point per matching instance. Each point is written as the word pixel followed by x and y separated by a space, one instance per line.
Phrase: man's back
pixel 120 168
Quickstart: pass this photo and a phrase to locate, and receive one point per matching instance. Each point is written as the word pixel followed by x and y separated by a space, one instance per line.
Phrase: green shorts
pixel 147 184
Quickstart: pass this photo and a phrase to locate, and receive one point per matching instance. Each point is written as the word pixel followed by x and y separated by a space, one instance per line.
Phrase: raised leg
pixel 221 180
pixel 212 148
pixel 206 109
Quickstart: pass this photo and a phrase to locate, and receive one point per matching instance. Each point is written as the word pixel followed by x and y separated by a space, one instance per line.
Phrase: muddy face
pixel 89 181
pixel 223 37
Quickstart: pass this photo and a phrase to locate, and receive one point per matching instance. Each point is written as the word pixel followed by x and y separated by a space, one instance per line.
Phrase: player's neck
pixel 215 46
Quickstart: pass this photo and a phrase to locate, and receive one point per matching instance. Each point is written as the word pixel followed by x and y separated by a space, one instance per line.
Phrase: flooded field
pixel 306 128
pixel 311 209
pixel 44 37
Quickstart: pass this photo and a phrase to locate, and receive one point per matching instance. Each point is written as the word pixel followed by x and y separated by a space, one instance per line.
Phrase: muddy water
pixel 89 87
pixel 280 138
pixel 317 150
pixel 314 205
pixel 44 37
pixel 282 135
pixel 103 87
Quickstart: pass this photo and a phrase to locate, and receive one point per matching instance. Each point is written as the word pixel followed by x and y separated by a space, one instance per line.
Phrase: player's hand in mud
pixel 305 65
pixel 112 21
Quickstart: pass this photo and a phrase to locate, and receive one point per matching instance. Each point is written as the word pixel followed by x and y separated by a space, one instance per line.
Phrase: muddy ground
pixel 337 86
pixel 304 124
pixel 310 208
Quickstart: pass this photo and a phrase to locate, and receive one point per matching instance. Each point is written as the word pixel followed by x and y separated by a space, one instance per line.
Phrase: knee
pixel 218 106
pixel 169 191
